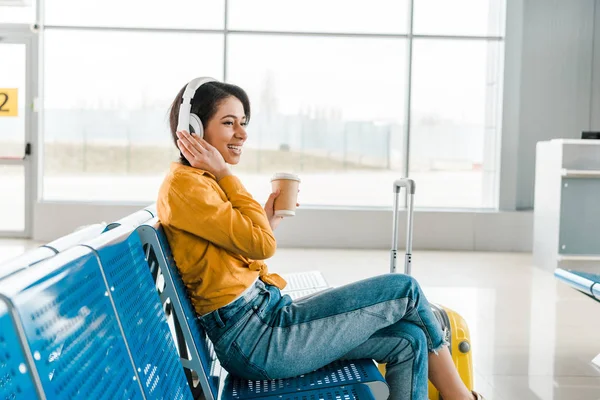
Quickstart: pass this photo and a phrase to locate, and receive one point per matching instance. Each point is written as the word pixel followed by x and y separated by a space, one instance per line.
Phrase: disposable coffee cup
pixel 285 203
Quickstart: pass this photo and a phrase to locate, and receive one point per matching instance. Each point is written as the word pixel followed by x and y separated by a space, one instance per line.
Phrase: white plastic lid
pixel 285 213
pixel 285 175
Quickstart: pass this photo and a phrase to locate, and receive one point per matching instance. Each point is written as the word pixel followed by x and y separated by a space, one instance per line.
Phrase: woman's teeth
pixel 235 149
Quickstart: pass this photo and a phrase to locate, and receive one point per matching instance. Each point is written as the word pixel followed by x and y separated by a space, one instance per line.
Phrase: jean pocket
pixel 233 326
pixel 238 364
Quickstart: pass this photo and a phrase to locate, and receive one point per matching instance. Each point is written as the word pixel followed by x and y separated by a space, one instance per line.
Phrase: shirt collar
pixel 175 166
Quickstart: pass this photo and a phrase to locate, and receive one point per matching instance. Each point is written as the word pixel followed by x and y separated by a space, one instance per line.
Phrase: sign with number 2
pixel 8 102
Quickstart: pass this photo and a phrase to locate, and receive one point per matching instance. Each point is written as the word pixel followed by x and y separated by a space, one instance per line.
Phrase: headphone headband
pixel 186 119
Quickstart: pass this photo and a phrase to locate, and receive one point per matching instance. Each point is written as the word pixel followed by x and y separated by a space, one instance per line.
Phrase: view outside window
pixel 317 113
pixel 107 95
pixel 455 121
pixel 330 98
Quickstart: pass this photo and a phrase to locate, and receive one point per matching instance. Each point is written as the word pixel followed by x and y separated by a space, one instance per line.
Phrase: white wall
pixel 552 85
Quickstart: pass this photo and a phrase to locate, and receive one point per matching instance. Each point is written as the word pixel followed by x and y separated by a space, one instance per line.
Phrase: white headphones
pixel 188 121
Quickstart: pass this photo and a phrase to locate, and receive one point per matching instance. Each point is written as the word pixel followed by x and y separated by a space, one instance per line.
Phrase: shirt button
pixel 255 308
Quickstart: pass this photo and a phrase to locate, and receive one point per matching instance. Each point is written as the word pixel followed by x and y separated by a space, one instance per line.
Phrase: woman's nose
pixel 241 132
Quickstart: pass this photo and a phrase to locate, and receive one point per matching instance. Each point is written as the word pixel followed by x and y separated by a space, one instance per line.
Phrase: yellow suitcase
pixel 457 331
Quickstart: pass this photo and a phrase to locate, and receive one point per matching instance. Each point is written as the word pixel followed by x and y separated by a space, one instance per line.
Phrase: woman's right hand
pixel 202 155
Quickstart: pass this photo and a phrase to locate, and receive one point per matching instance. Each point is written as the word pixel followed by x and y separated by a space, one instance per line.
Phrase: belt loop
pixel 218 319
pixel 251 292
pixel 261 312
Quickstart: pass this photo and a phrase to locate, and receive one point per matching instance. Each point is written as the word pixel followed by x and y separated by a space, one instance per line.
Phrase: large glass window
pixel 331 109
pixel 335 91
pixel 106 104
pixel 456 87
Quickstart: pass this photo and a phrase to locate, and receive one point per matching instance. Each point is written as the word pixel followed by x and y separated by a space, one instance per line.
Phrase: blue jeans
pixel 264 335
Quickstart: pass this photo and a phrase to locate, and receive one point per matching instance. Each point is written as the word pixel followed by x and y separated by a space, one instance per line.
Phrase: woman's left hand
pixel 274 220
pixel 201 154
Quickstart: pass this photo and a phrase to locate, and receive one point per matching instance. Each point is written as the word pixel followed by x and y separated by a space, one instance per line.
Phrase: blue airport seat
pixel 71 330
pixel 16 378
pixel 596 292
pixel 75 238
pixel 152 210
pixel 25 260
pixel 48 250
pixel 140 312
pixel 133 220
pixel 585 282
pixel 201 358
pixel 359 379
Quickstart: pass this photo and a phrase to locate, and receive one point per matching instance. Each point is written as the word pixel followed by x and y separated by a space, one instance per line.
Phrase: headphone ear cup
pixel 196 126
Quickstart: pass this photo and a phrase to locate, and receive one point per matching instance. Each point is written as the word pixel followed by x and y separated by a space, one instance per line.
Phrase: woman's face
pixel 226 131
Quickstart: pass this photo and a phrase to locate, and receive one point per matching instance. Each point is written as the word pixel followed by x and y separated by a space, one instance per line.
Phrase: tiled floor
pixel 533 337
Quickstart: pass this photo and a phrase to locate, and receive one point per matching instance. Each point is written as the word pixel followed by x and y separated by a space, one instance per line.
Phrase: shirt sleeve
pixel 238 224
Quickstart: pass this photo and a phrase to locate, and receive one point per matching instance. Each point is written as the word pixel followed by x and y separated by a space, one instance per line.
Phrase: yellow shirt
pixel 218 234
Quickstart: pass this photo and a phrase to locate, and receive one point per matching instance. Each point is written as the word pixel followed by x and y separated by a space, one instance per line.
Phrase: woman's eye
pixel 228 122
pixel 244 124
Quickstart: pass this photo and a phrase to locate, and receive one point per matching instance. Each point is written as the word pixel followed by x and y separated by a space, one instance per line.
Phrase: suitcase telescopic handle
pixel 409 185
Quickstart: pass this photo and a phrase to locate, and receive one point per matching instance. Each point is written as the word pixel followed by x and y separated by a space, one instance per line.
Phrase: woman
pixel 220 236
